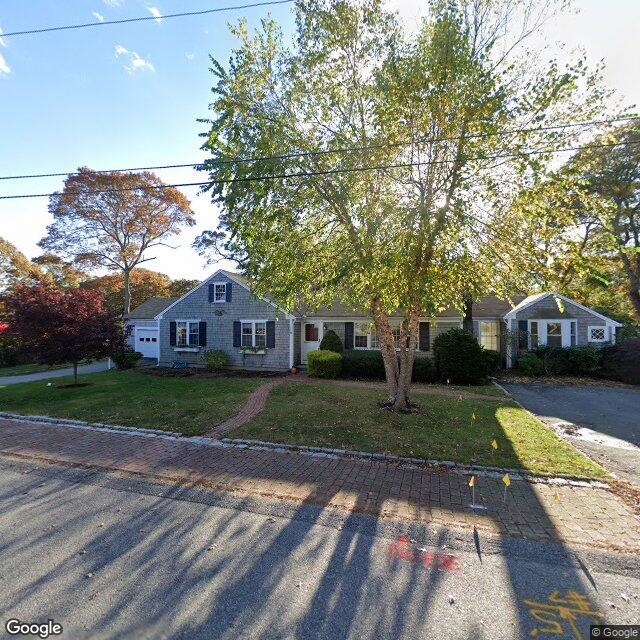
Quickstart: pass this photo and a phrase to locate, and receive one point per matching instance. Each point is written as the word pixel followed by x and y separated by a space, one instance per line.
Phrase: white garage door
pixel 147 342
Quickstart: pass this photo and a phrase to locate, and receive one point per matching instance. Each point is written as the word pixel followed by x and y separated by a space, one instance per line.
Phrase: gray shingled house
pixel 222 313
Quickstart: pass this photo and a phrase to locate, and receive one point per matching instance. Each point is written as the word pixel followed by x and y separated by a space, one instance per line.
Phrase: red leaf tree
pixel 55 326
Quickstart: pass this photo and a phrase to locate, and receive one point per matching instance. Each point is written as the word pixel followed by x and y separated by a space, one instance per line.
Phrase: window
pixel 490 335
pixel 573 334
pixel 597 334
pixel 254 333
pixel 554 334
pixel 533 335
pixel 187 333
pixel 361 336
pixel 219 291
pixel 311 332
pixel 375 342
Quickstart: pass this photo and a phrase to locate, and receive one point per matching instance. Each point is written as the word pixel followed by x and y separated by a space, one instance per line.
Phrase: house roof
pixel 150 308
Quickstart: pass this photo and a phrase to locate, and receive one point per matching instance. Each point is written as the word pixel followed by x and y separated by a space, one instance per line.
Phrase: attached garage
pixel 142 327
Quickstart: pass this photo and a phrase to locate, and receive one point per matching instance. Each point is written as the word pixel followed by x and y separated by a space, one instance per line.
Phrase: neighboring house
pixel 222 313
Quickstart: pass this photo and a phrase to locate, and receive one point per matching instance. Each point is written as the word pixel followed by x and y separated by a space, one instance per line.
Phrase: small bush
pixel 324 364
pixel 424 370
pixel 363 364
pixel 530 364
pixel 578 361
pixel 459 358
pixel 8 356
pixel 331 342
pixel 492 361
pixel 126 358
pixel 215 359
pixel 620 362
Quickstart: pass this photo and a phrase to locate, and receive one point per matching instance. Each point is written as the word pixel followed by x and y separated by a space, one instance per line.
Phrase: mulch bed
pixel 198 372
pixel 576 381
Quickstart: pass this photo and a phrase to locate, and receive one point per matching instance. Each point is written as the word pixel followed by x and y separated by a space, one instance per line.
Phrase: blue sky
pixel 129 95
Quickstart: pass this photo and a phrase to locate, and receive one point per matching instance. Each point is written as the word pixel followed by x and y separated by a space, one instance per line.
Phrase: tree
pixel 55 326
pixel 113 219
pixel 395 223
pixel 177 288
pixel 59 271
pixel 15 267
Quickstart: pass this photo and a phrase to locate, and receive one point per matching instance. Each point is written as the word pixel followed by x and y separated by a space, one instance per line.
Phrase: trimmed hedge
pixel 215 359
pixel 492 361
pixel 622 361
pixel 579 361
pixel 530 365
pixel 324 364
pixel 459 358
pixel 126 358
pixel 331 342
pixel 358 363
pixel 424 370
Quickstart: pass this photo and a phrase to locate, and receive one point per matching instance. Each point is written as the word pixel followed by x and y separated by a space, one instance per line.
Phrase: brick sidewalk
pixel 582 516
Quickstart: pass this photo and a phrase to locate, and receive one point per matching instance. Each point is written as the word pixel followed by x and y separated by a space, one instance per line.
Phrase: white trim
pixel 231 277
pixel 292 327
pixel 188 321
pixel 565 330
pixel 605 329
pixel 253 324
pixel 517 309
pixel 214 301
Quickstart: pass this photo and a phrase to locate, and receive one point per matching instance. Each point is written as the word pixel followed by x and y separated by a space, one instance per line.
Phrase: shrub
pixel 492 361
pixel 363 364
pixel 530 364
pixel 126 358
pixel 620 361
pixel 215 359
pixel 8 356
pixel 331 342
pixel 424 370
pixel 459 358
pixel 324 364
pixel 579 360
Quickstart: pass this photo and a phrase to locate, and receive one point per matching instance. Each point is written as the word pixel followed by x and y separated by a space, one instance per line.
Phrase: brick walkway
pixel 253 406
pixel 581 516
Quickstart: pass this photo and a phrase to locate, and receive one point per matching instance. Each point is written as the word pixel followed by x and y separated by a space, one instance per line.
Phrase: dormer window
pixel 220 292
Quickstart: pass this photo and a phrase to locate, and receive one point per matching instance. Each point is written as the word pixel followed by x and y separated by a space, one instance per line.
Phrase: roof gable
pixel 150 308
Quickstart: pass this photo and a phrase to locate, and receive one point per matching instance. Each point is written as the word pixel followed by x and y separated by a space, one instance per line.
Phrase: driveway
pixel 93 367
pixel 604 422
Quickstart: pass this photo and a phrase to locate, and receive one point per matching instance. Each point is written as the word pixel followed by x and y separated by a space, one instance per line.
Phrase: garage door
pixel 147 342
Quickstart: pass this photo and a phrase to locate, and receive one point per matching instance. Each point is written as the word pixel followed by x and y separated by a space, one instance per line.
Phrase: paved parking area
pixel 608 419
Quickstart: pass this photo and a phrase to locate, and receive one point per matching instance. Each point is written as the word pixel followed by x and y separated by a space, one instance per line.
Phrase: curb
pixel 318 452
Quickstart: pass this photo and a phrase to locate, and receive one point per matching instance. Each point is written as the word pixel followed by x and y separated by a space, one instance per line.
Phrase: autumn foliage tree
pixel 112 220
pixel 51 326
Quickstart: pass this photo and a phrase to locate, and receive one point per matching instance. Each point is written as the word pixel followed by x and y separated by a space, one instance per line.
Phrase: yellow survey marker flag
pixel 472 481
pixel 506 479
pixel 494 443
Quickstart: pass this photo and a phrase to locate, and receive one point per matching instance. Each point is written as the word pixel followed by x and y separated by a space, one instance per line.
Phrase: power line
pixel 301 154
pixel 143 18
pixel 310 174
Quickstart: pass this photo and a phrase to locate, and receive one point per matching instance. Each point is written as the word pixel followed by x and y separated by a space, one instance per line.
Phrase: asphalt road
pixel 92 367
pixel 109 556
pixel 608 419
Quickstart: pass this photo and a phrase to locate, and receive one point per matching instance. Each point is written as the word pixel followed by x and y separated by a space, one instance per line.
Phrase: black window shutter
pixel 228 291
pixel 237 334
pixel 348 335
pixel 202 337
pixel 271 334
pixel 212 292
pixel 523 341
pixel 424 339
pixel 172 334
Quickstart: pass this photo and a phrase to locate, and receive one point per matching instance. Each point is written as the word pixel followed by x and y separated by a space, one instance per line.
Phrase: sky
pixel 130 95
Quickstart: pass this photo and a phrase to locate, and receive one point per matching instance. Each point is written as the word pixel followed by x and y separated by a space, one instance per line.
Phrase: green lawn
pixel 21 369
pixel 190 405
pixel 483 390
pixel 349 418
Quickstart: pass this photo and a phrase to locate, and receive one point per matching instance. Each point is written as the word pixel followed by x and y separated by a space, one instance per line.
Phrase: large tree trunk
pixel 467 320
pixel 398 364
pixel 75 373
pixel 127 292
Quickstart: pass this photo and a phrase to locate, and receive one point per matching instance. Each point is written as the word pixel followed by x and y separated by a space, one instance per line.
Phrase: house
pixel 222 313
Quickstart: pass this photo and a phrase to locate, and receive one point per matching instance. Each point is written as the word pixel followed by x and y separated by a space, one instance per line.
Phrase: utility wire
pixel 310 174
pixel 303 154
pixel 68 27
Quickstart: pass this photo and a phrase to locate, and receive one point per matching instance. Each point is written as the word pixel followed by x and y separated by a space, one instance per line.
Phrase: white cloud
pixel 4 67
pixel 3 42
pixel 189 56
pixel 98 16
pixel 155 12
pixel 113 3
pixel 136 62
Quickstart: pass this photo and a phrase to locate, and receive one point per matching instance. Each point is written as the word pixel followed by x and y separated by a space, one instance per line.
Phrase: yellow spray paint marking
pixel 506 479
pixel 560 612
pixel 472 481
pixel 494 443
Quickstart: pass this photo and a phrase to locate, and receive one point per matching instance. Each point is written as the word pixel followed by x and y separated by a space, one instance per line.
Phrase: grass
pixel 483 390
pixel 189 405
pixel 349 418
pixel 21 369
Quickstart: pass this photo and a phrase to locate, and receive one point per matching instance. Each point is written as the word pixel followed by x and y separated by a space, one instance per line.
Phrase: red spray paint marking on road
pixel 403 550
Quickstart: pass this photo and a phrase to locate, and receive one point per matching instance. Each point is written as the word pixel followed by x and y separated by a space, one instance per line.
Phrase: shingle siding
pixel 220 317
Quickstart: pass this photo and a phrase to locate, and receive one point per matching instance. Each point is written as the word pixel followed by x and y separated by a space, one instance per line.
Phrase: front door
pixel 311 336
